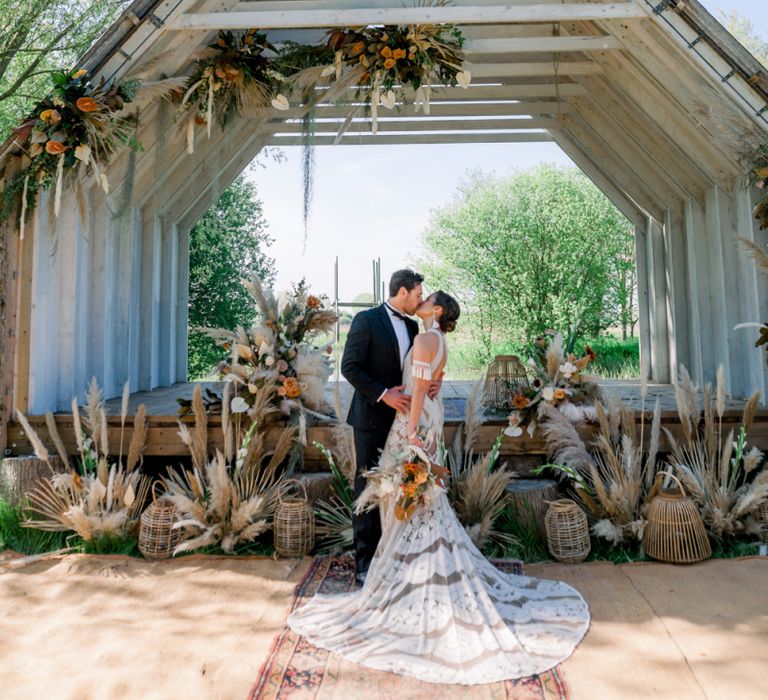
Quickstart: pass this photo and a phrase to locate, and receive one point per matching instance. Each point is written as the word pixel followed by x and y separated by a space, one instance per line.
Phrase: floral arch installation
pixel 657 104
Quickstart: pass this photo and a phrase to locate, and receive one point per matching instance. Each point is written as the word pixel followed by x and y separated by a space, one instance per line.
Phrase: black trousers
pixel 366 527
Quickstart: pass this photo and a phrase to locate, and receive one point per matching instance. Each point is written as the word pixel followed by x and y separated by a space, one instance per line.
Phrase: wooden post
pixel 9 252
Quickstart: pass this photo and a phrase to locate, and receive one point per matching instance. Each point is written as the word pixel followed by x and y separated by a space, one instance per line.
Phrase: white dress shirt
pixel 403 338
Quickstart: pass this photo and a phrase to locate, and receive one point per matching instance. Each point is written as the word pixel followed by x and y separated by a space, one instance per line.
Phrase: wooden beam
pixel 477 93
pixel 437 109
pixel 531 69
pixel 542 44
pixel 434 14
pixel 424 124
pixel 390 139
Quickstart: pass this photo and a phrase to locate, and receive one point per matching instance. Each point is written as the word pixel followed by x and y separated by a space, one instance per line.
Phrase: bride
pixel 432 606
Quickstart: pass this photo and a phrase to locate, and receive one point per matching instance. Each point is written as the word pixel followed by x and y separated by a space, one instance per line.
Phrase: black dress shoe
pixel 360 578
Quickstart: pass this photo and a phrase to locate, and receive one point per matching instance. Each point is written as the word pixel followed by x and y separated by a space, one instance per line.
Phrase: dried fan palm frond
pixel 153 91
pixel 334 516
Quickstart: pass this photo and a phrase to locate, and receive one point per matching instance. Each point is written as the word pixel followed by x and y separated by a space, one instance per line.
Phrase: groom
pixel 377 344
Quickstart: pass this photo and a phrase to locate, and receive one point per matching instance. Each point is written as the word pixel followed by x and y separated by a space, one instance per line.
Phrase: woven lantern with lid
pixel 294 525
pixel 157 536
pixel 505 374
pixel 675 532
pixel 567 531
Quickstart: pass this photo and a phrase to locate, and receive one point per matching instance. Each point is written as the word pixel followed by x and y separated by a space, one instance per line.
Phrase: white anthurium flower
pixel 281 103
pixel 531 428
pixel 238 405
pixel 567 369
pixel 269 361
pixel 464 78
pixel 548 393
pixel 388 99
pixel 264 349
pixel 83 152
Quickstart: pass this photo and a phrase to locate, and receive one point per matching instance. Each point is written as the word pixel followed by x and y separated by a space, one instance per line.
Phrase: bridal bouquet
pixel 558 382
pixel 410 475
pixel 278 349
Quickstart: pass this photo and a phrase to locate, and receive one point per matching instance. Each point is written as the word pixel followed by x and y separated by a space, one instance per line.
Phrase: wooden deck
pixel 164 441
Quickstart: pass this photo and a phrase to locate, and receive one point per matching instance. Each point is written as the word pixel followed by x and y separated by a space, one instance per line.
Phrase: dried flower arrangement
pixel 97 498
pixel 727 481
pixel 615 482
pixel 279 352
pixel 230 500
pixel 558 382
pixel 393 58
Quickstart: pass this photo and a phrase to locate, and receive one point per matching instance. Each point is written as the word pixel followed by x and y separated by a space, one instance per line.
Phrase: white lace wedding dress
pixel 433 607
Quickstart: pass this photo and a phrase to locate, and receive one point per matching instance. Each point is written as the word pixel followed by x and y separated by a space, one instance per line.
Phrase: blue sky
pixel 374 201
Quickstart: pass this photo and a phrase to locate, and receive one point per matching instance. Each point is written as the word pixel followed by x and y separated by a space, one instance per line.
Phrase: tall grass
pixel 25 540
pixel 616 358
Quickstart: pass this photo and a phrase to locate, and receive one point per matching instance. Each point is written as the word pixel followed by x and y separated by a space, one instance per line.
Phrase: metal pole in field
pixel 337 333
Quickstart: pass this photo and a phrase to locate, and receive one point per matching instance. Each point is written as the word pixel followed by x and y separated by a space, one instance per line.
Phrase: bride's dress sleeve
pixel 421 370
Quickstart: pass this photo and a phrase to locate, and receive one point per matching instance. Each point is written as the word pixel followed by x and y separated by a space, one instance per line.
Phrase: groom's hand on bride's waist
pixel 395 398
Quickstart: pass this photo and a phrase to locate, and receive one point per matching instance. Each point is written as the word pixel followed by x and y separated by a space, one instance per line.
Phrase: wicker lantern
pixel 762 519
pixel 567 531
pixel 675 532
pixel 294 522
pixel 504 375
pixel 157 536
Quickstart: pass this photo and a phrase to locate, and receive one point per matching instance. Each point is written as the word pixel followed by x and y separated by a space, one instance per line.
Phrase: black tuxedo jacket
pixel 371 364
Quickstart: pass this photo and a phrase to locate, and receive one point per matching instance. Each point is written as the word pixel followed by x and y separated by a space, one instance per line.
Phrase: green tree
pixel 226 246
pixel 532 251
pixel 38 37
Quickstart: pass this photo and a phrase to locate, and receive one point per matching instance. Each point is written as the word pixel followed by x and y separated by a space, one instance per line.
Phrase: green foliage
pixel 528 543
pixel 38 37
pixel 112 544
pixel 532 251
pixel 25 540
pixel 226 246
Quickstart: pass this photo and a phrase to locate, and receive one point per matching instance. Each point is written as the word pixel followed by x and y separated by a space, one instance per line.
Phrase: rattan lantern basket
pixel 675 532
pixel 294 525
pixel 505 374
pixel 157 536
pixel 567 531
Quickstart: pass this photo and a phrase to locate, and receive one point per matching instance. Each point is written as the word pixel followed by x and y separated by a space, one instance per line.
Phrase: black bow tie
pixel 395 312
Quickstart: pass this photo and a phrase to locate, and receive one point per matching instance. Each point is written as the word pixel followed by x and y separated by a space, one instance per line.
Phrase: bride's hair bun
pixel 451 311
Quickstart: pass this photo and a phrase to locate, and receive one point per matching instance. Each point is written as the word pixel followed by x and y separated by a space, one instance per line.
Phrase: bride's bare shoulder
pixel 425 345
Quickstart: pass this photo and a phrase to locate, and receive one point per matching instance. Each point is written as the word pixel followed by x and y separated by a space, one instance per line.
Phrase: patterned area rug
pixel 296 670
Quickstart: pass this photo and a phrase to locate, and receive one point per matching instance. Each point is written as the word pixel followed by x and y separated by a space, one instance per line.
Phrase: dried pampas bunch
pixel 478 491
pixel 99 496
pixel 230 499
pixel 614 482
pixel 726 480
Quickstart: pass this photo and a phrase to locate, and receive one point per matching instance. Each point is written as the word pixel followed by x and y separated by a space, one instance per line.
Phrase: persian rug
pixel 296 670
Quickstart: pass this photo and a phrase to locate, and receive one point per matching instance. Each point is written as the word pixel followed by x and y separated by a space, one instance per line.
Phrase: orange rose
pixel 389 63
pixel 80 74
pixel 313 302
pixel 87 104
pixel 386 52
pixel 50 116
pixel 356 49
pixel 398 54
pixel 55 148
pixel 559 394
pixel 519 401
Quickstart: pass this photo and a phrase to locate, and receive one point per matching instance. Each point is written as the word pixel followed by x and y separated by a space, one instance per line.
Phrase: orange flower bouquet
pixel 409 477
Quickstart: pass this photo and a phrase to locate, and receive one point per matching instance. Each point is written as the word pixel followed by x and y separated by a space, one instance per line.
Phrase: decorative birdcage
pixel 762 519
pixel 675 531
pixel 294 525
pixel 502 380
pixel 567 531
pixel 157 536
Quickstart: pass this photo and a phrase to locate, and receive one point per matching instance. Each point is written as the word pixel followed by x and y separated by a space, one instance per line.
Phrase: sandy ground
pixel 199 627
